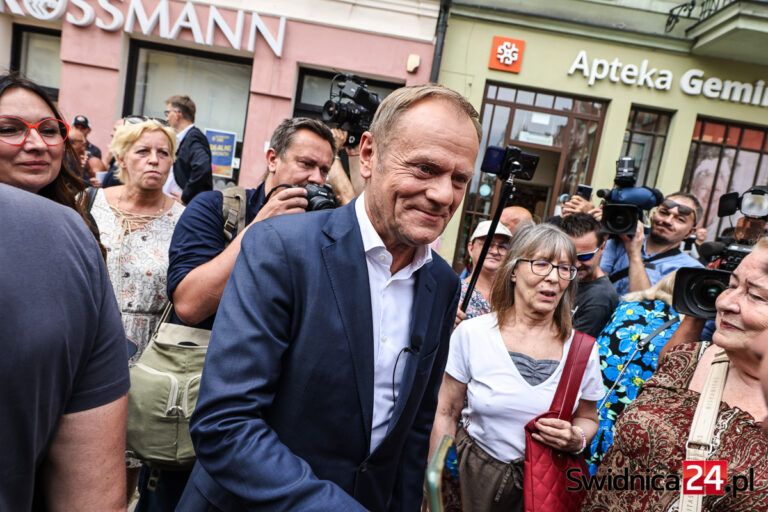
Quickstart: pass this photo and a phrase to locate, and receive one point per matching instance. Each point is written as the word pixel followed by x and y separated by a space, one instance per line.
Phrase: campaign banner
pixel 222 151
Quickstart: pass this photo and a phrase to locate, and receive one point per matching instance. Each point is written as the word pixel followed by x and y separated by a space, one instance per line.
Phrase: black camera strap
pixel 621 274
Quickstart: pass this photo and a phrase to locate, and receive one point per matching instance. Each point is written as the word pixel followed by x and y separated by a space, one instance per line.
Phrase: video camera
pixel 697 289
pixel 624 204
pixel 351 108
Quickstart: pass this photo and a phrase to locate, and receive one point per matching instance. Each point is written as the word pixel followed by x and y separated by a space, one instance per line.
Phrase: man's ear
pixel 367 151
pixel 272 157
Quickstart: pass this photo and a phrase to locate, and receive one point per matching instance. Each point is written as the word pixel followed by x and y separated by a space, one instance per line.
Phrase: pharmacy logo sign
pixel 506 54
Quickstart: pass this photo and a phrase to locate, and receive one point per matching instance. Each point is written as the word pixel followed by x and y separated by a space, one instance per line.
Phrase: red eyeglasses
pixel 14 130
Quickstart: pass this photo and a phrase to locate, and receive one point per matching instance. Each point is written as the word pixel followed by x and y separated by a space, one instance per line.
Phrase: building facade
pixel 582 82
pixel 247 64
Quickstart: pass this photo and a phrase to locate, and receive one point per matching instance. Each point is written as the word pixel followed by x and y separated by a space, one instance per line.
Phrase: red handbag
pixel 545 475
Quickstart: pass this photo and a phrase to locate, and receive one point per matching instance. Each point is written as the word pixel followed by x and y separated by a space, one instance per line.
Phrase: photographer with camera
pixel 634 262
pixel 201 257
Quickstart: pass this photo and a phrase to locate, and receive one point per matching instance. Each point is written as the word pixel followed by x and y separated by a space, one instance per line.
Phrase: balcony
pixel 726 29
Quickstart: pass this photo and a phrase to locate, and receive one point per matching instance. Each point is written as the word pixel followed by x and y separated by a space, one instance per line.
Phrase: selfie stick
pixel 506 194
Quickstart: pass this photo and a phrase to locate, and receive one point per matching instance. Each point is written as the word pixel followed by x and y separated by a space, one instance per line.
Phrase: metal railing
pixel 707 8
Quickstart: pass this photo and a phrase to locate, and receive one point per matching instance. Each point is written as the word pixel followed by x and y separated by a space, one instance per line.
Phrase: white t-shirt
pixel 499 401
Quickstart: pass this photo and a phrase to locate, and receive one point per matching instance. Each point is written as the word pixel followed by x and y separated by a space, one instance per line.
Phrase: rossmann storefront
pixel 580 100
pixel 247 64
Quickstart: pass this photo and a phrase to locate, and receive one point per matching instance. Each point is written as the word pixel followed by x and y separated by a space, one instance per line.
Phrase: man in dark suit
pixel 329 345
pixel 192 168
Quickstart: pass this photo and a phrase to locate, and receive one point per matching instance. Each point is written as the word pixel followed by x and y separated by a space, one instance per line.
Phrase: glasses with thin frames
pixel 15 131
pixel 136 119
pixel 543 268
pixel 586 256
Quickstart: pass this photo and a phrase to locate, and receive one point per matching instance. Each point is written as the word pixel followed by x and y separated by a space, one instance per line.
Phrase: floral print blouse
pixel 630 323
pixel 138 266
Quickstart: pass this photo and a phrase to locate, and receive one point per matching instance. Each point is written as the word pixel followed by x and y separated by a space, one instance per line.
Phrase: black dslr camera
pixel 696 289
pixel 320 198
pixel 624 204
pixel 351 108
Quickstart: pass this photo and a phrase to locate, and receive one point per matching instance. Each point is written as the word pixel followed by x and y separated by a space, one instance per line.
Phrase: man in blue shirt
pixel 634 263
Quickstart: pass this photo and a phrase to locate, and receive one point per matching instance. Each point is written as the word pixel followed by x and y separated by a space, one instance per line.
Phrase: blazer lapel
pixel 344 259
pixel 423 300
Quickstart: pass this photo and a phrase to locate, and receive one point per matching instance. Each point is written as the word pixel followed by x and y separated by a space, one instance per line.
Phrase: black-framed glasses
pixel 136 119
pixel 166 112
pixel 15 131
pixel 682 209
pixel 586 256
pixel 543 268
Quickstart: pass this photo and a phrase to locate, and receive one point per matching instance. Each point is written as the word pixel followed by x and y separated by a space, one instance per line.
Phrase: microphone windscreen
pixel 709 249
pixel 416 342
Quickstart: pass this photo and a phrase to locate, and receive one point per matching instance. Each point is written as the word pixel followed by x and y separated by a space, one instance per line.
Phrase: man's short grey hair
pixel 399 101
pixel 283 136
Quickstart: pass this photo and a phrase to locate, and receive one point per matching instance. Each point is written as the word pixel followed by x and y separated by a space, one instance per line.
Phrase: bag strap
pixel 699 446
pixel 233 211
pixel 91 191
pixel 621 274
pixel 573 371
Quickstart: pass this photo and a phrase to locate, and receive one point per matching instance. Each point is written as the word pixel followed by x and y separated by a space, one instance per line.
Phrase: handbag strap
pixel 699 446
pixel 164 317
pixel 570 380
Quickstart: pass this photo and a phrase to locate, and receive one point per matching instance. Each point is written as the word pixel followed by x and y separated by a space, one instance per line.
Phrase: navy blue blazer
pixel 192 168
pixel 283 421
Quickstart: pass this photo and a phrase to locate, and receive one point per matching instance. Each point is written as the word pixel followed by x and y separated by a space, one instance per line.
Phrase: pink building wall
pixel 92 74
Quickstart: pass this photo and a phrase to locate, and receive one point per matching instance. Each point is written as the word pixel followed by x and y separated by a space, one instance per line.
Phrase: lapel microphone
pixel 415 347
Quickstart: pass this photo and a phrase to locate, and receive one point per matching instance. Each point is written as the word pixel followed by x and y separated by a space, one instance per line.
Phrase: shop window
pixel 724 157
pixel 563 130
pixel 36 54
pixel 218 84
pixel 314 89
pixel 644 141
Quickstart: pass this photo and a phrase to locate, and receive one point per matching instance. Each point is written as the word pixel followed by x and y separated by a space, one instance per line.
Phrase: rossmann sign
pixel 108 15
pixel 693 82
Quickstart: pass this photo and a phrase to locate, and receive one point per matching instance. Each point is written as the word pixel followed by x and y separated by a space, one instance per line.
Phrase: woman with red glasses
pixel 33 142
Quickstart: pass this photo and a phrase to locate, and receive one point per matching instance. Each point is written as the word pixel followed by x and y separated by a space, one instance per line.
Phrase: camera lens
pixel 705 293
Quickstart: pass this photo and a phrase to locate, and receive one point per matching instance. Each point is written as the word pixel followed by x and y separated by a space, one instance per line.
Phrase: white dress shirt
pixel 391 309
pixel 171 187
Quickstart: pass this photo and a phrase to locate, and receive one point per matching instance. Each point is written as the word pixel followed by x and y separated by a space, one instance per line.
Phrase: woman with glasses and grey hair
pixel 508 365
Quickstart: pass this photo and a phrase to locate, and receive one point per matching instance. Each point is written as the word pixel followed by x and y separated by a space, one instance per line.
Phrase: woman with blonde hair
pixel 136 222
pixel 630 346
pixel 508 364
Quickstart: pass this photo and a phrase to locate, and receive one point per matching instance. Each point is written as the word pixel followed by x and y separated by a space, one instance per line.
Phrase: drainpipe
pixel 442 24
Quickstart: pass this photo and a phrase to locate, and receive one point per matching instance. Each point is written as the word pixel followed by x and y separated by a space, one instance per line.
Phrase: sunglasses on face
pixel 682 209
pixel 15 131
pixel 141 119
pixel 586 256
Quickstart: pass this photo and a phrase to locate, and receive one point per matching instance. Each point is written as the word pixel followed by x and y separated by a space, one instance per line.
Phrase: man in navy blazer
pixel 320 383
pixel 192 170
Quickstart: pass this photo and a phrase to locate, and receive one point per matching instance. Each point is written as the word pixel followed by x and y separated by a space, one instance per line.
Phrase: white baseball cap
pixel 484 227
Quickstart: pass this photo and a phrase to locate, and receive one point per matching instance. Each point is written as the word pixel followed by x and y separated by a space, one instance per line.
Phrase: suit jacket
pixel 284 417
pixel 192 168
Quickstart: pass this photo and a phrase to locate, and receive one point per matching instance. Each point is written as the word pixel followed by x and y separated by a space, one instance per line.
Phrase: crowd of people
pixel 340 350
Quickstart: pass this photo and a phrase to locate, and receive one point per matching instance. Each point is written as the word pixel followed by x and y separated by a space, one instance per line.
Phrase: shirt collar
pixel 372 243
pixel 182 133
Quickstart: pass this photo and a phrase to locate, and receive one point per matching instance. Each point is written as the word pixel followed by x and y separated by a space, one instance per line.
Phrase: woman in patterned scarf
pixel 651 435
